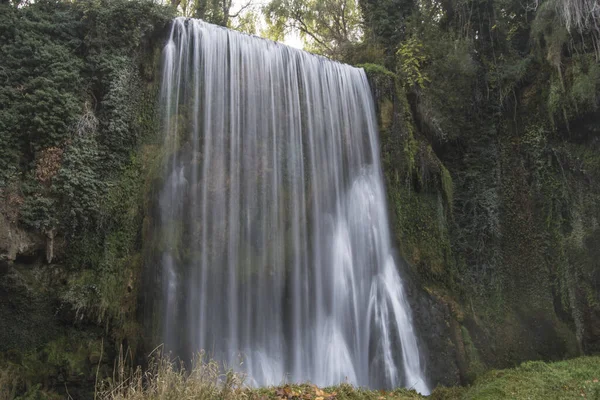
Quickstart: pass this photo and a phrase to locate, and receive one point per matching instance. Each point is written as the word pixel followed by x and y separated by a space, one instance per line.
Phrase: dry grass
pixel 165 379
pixel 9 381
pixel 168 379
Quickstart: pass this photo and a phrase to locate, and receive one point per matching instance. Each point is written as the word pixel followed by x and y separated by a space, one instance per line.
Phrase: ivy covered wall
pixel 79 149
pixel 490 143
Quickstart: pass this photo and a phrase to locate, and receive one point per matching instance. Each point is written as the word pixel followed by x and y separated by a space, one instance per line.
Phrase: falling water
pixel 276 254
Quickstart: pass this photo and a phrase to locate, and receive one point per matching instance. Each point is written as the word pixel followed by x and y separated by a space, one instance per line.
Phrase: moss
pixel 475 366
pixel 488 198
pixel 382 80
pixel 373 70
pixel 66 361
pixel 538 380
pixel 447 186
pixel 419 187
pixel 421 231
pixel 386 113
pixel 585 83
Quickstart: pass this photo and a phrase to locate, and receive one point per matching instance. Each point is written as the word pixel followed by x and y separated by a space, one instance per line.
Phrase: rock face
pixel 440 337
pixel 503 268
pixel 16 241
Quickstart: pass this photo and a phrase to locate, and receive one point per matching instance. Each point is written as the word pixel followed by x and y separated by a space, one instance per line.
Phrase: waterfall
pixel 276 255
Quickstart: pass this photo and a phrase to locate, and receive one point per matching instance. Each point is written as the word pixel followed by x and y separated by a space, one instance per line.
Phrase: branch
pixel 344 26
pixel 304 28
pixel 237 14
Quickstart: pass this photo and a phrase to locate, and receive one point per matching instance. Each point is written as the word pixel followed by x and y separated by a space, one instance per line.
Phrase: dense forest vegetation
pixel 490 135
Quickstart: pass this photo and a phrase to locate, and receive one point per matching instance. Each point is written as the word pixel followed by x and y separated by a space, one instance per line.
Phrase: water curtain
pixel 276 252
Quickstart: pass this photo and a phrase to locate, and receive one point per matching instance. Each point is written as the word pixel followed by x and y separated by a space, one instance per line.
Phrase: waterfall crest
pixel 275 245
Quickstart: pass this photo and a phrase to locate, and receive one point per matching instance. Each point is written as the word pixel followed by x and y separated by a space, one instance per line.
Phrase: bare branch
pixel 244 7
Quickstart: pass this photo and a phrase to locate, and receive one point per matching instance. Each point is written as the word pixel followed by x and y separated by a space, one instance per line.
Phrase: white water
pixel 276 249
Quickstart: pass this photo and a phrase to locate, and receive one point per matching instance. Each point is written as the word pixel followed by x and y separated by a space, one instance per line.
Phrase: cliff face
pixel 79 148
pixel 490 139
pixel 495 209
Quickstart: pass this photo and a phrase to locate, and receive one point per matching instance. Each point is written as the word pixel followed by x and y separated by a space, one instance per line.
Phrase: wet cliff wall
pixel 493 184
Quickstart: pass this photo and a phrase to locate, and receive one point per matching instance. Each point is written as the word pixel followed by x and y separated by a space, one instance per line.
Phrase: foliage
pixel 571 379
pixel 213 11
pixel 386 21
pixel 38 97
pixel 481 163
pixel 244 16
pixel 69 358
pixel 76 103
pixel 411 59
pixel 489 140
pixel 80 84
pixel 327 27
pixel 582 16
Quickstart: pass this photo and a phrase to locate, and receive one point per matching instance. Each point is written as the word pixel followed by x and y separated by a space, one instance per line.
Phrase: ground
pixel 571 379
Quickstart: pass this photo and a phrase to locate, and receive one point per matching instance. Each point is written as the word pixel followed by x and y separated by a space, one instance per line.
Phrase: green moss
pixel 64 360
pixel 421 231
pixel 382 80
pixel 377 70
pixel 447 186
pixel 475 366
pixel 386 112
pixel 573 379
pixel 419 217
pixel 586 82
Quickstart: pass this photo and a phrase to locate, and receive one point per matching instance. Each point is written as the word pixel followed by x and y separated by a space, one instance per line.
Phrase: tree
pixel 582 16
pixel 327 27
pixel 219 12
pixel 385 20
